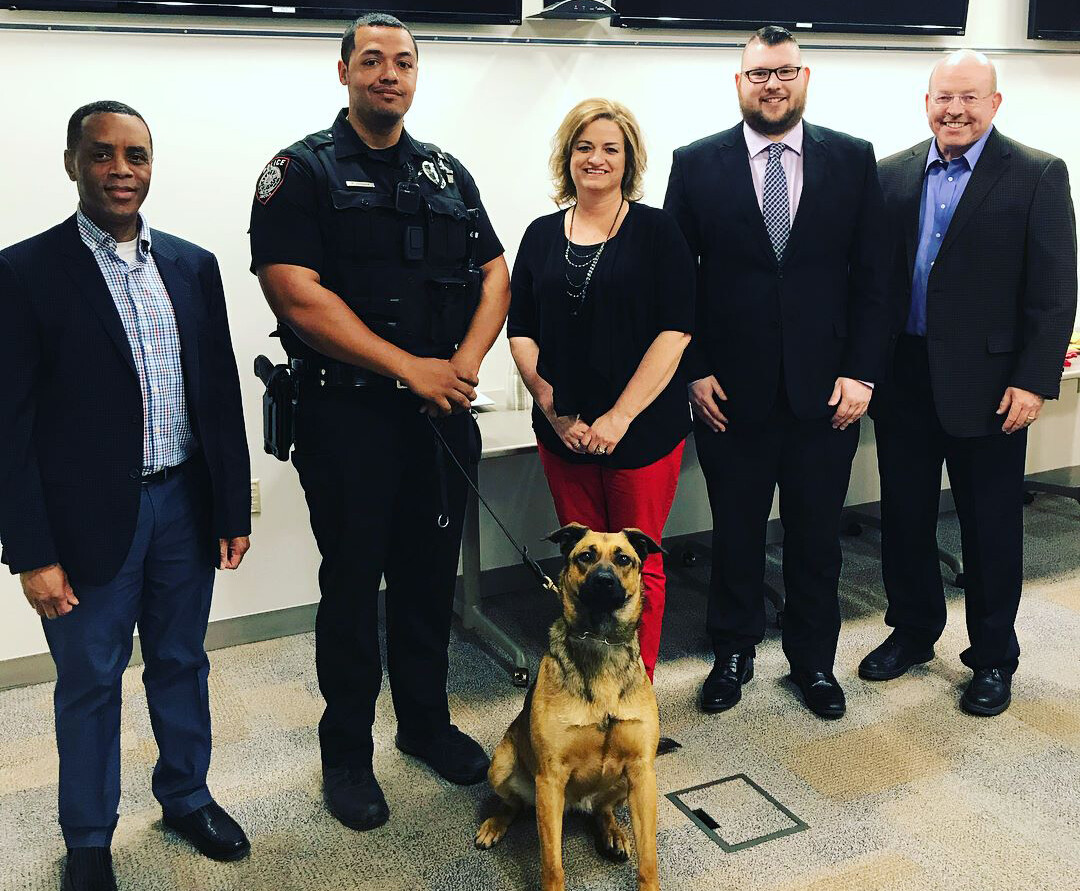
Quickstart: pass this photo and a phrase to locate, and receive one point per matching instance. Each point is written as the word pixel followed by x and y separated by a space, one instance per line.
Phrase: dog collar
pixel 588 635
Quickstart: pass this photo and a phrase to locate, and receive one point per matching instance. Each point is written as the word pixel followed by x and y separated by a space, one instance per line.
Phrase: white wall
pixel 220 107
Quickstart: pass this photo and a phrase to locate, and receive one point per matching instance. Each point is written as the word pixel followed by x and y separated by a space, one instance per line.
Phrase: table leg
pixel 472 614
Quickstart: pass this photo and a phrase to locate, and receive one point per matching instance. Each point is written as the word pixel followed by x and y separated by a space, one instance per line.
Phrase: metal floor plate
pixel 736 813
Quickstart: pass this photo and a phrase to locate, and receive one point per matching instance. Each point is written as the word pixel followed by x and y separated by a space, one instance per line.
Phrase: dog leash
pixel 542 577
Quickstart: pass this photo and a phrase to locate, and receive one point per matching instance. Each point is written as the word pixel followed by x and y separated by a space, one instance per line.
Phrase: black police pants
pixel 368 465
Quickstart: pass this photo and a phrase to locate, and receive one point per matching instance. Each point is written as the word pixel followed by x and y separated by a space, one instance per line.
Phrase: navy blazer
pixel 1001 298
pixel 822 313
pixel 71 408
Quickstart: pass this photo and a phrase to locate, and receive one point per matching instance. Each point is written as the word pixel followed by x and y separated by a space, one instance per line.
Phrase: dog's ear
pixel 642 543
pixel 568 536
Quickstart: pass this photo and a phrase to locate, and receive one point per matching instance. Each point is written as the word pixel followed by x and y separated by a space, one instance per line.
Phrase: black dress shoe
pixel 723 687
pixel 821 692
pixel 353 796
pixel 88 869
pixel 212 831
pixel 892 659
pixel 989 692
pixel 453 755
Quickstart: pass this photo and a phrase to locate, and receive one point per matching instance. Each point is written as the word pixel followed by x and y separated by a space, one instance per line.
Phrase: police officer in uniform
pixel 388 281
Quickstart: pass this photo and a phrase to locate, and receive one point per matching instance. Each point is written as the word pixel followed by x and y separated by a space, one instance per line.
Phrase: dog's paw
pixel 491 832
pixel 613 844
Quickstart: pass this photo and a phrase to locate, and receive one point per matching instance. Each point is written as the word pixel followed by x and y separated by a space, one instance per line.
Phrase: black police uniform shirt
pixel 285 211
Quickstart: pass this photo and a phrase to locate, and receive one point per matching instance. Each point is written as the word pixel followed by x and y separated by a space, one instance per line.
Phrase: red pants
pixel 608 500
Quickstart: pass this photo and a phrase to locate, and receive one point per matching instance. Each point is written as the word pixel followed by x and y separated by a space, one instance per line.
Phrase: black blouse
pixel 643 284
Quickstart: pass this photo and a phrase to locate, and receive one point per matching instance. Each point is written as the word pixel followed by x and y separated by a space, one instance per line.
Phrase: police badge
pixel 433 173
pixel 444 166
pixel 270 180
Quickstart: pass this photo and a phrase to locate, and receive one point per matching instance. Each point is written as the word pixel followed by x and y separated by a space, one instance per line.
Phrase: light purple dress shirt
pixel 791 160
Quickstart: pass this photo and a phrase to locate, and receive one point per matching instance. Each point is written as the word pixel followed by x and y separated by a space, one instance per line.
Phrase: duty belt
pixel 338 374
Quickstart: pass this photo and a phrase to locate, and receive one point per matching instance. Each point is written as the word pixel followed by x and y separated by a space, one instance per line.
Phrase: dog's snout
pixel 602 590
pixel 604 578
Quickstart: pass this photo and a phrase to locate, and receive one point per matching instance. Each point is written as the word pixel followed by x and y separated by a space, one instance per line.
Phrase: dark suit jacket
pixel 822 313
pixel 1001 298
pixel 71 409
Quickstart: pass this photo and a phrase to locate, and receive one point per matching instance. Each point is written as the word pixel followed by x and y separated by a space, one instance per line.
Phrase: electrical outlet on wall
pixel 256 498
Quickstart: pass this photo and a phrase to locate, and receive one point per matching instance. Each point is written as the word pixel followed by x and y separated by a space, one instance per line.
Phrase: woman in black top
pixel 602 307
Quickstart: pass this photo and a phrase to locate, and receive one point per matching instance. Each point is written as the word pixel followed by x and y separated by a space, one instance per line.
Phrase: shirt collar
pixel 347 142
pixel 756 143
pixel 96 238
pixel 971 155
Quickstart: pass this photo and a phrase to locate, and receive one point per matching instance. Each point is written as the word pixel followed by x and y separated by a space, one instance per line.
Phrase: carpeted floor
pixel 906 792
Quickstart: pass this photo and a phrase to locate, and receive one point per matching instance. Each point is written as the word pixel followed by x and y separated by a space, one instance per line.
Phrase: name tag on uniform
pixel 353 184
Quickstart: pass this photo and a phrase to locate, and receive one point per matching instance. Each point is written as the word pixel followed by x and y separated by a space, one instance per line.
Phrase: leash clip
pixel 542 577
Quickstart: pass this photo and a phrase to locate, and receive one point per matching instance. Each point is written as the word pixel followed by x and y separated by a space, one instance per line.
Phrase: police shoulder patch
pixel 270 179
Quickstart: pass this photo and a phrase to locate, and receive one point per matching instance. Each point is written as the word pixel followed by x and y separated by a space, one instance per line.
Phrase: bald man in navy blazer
pixel 984 292
pixel 123 482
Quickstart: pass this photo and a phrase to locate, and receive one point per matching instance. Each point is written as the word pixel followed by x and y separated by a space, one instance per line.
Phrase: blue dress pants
pixel 163 588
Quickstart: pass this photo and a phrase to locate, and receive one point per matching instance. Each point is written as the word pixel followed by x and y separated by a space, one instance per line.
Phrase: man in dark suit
pixel 123 481
pixel 984 287
pixel 786 221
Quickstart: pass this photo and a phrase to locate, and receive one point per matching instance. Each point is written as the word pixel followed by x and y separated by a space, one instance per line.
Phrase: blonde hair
pixel 576 120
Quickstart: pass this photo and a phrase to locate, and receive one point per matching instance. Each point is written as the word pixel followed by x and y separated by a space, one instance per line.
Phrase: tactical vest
pixel 409 276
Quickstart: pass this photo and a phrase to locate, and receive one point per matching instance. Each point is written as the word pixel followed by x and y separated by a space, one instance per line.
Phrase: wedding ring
pixel 601 451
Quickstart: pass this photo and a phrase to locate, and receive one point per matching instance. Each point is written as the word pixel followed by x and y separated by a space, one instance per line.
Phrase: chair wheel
pixel 853 529
pixel 521 677
pixel 960 581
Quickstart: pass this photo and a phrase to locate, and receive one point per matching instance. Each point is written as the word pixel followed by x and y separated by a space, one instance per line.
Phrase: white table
pixel 1064 481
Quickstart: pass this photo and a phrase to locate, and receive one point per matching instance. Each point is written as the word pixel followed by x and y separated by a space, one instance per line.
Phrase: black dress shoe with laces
pixel 353 795
pixel 989 692
pixel 212 831
pixel 723 687
pixel 892 659
pixel 453 755
pixel 88 869
pixel 821 692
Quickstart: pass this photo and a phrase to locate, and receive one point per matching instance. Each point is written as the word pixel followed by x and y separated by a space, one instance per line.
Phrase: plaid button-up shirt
pixel 150 324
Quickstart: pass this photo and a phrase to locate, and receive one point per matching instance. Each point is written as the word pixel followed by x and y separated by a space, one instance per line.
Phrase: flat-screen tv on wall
pixel 846 16
pixel 1054 19
pixel 480 12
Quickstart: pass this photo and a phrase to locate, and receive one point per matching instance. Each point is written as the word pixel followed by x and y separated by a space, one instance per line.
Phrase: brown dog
pixel 587 734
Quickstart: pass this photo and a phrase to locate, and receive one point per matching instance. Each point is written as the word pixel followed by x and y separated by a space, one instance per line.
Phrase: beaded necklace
pixel 577 291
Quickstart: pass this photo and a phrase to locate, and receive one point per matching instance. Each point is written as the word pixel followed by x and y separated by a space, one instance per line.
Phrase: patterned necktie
pixel 774 201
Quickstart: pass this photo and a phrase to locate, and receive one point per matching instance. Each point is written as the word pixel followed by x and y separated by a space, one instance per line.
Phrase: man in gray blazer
pixel 985 295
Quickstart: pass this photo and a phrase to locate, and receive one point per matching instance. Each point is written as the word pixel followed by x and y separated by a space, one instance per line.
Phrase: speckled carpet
pixel 906 792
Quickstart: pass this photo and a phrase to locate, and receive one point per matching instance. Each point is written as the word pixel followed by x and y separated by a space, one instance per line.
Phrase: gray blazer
pixel 1001 299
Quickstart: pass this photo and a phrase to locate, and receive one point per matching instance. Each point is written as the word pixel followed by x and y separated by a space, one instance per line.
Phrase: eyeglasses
pixel 967 99
pixel 762 75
